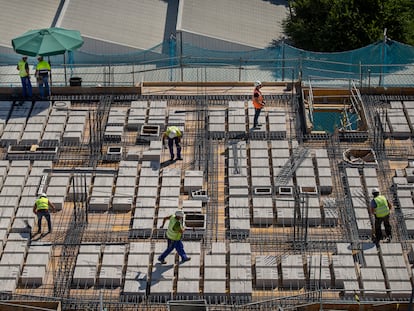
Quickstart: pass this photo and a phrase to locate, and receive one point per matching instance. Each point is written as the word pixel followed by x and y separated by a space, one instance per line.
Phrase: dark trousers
pixel 171 142
pixel 256 116
pixel 40 215
pixel 26 87
pixel 378 231
pixel 179 247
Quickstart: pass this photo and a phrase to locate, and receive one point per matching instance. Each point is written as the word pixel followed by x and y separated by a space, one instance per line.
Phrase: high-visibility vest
pixel 382 208
pixel 22 68
pixel 175 129
pixel 257 99
pixel 174 228
pixel 43 67
pixel 42 204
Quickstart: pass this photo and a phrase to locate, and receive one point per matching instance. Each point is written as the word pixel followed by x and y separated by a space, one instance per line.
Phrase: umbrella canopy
pixel 47 41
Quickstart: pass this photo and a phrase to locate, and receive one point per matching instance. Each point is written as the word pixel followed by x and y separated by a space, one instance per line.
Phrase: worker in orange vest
pixel 258 102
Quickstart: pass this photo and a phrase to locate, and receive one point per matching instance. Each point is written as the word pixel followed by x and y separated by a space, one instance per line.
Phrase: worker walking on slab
pixel 258 102
pixel 41 209
pixel 173 134
pixel 174 235
pixel 380 208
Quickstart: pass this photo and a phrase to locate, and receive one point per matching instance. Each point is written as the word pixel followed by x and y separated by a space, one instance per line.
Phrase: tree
pixel 340 25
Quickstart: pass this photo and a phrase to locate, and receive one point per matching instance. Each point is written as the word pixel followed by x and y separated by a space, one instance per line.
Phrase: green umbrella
pixel 47 41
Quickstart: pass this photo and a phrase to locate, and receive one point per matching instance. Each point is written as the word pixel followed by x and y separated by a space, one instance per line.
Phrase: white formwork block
pixel 9 272
pixel 285 216
pixel 135 260
pixel 293 277
pixel 400 289
pixel 239 248
pixel 237 260
pixel 215 260
pixel 372 261
pixel 12 259
pixel 240 273
pixel 267 277
pixel 161 288
pixel 99 204
pixel 188 287
pixel 394 261
pixel 188 273
pixel 122 204
pixel 342 275
pixel 372 274
pixel 263 216
pixel 7 212
pixel 110 276
pixel 58 201
pixel 33 275
pixel 9 201
pixel 84 276
pixel 398 274
pixel 374 289
pixel 111 260
pixel 8 285
pixel 391 249
pixel 214 288
pixel 87 259
pixel 139 248
pixel 292 261
pixel 89 249
pixel 214 273
pixel 15 247
pixel 135 287
pixel 11 191
pixel 37 259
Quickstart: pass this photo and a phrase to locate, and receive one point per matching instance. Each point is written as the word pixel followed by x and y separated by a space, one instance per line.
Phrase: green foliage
pixel 340 25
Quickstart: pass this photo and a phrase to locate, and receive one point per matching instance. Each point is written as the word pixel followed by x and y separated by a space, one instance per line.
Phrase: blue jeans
pixel 171 142
pixel 40 214
pixel 27 87
pixel 44 86
pixel 179 247
pixel 256 116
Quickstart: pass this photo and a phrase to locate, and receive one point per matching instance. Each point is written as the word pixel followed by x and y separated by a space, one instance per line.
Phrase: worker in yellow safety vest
pixel 42 76
pixel 174 235
pixel 380 208
pixel 173 134
pixel 41 209
pixel 24 73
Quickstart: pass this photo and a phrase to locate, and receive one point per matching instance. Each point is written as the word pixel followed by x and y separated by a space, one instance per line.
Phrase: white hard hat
pixel 375 190
pixel 172 134
pixel 43 195
pixel 257 83
pixel 179 213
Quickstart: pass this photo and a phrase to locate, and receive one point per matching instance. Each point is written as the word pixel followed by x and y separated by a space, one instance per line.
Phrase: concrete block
pixel 241 287
pixel 99 204
pixel 394 261
pixel 33 275
pixel 341 275
pixel 215 273
pixel 400 289
pixel 267 277
pixel 215 260
pixel 293 277
pixel 110 276
pixel 263 216
pixel 214 288
pixel 372 274
pixel 84 276
pixel 374 289
pixel 188 273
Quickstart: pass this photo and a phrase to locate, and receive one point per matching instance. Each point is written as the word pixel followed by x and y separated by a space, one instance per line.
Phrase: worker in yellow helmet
pixel 24 73
pixel 173 134
pixel 174 235
pixel 380 208
pixel 42 75
pixel 41 209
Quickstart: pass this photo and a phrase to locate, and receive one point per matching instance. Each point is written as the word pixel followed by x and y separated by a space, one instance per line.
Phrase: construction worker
pixel 174 235
pixel 24 72
pixel 42 75
pixel 380 208
pixel 41 209
pixel 173 134
pixel 258 102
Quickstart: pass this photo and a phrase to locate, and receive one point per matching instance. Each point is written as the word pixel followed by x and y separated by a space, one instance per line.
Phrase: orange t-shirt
pixel 257 99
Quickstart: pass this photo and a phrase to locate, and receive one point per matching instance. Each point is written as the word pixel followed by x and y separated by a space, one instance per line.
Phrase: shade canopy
pixel 47 41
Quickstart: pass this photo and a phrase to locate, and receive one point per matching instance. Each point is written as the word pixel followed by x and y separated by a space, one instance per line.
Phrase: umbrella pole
pixel 64 68
pixel 50 78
